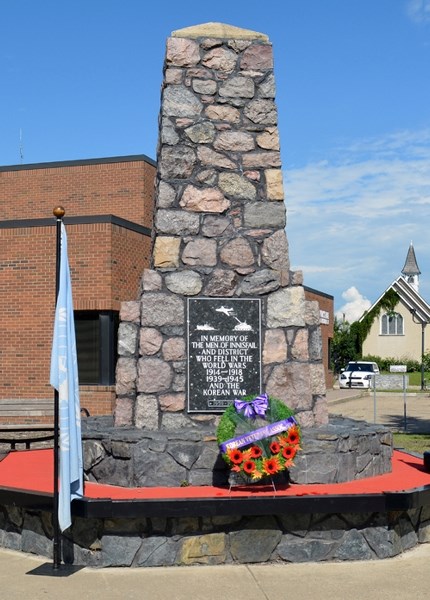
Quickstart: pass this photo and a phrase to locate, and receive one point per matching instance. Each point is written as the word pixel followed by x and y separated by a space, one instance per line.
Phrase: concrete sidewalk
pixel 407 576
pixel 396 411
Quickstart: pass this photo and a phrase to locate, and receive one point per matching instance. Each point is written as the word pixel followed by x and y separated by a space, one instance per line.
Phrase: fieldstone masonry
pixel 219 539
pixel 219 231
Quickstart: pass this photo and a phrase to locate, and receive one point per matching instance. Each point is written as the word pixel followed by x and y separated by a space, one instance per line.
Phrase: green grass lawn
pixel 415 377
pixel 412 442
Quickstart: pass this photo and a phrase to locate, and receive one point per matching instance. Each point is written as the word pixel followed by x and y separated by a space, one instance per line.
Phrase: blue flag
pixel 64 378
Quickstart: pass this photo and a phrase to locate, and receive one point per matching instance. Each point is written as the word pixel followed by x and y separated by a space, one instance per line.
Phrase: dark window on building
pixel 96 343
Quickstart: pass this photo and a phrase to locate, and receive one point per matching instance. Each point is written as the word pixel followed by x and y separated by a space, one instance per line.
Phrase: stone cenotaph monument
pixel 221 314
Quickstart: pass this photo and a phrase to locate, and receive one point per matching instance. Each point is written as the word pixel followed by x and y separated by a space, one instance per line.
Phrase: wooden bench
pixel 15 421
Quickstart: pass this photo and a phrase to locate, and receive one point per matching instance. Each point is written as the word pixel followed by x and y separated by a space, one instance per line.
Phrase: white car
pixel 358 374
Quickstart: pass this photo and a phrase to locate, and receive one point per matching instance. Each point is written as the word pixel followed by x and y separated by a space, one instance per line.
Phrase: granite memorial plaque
pixel 224 351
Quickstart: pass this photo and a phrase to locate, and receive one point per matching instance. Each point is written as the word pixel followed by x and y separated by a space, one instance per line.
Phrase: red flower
pixel 249 466
pixel 289 452
pixel 271 466
pixel 293 437
pixel 275 448
pixel 255 452
pixel 235 456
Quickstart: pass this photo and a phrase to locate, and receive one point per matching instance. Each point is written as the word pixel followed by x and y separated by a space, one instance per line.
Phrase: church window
pixel 392 324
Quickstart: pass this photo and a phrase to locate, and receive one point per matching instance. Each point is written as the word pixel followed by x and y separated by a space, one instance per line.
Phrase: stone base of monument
pixel 216 540
pixel 165 531
pixel 343 450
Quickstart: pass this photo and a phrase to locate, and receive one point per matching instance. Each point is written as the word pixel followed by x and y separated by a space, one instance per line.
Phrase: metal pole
pixel 404 404
pixel 423 325
pixel 56 551
pixel 374 398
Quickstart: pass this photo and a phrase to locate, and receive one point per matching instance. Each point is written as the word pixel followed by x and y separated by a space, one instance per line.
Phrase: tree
pixel 348 338
pixel 344 345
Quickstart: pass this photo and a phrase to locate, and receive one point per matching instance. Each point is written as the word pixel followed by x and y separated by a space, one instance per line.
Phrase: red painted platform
pixel 32 471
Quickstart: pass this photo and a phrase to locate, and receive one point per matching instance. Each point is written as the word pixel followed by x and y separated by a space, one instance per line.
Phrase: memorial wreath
pixel 258 436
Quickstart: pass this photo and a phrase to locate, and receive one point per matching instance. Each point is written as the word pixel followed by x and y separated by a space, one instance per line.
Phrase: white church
pixel 401 332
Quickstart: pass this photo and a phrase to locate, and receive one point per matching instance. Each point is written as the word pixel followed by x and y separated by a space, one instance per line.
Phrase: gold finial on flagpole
pixel 59 212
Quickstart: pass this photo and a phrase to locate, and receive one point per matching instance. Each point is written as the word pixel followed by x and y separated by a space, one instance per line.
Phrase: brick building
pixel 326 305
pixel 109 207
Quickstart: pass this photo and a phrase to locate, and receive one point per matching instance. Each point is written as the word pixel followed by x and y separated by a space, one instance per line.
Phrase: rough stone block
pixel 182 52
pixel 130 311
pixel 206 200
pixel 177 222
pixel 151 281
pixel 208 549
pixel 237 253
pixel 153 375
pixel 146 412
pixel 222 283
pixel 257 57
pixel 275 347
pixel 260 282
pixel 159 551
pixel 254 545
pixel 297 550
pixel 200 252
pixel 126 371
pixel 119 551
pixel 354 547
pixel 264 214
pixel 274 251
pixel 172 402
pixel 269 140
pixel 185 283
pixel 150 341
pixel 285 308
pixel 166 252
pixel 178 101
pixel 147 472
pixel 162 309
pixel 220 59
pixel 127 338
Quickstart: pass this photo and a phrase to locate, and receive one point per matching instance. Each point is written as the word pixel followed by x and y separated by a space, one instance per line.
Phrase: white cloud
pixel 418 11
pixel 352 216
pixel 354 307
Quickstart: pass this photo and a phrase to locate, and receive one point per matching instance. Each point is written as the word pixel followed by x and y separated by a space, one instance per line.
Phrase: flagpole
pixel 59 213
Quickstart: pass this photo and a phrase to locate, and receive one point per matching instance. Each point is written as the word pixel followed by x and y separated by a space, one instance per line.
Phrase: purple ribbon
pixel 255 407
pixel 258 434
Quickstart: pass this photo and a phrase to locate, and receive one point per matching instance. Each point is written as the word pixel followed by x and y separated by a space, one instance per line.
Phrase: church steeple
pixel 411 270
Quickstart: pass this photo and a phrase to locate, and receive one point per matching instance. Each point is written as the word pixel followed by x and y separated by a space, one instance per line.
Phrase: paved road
pixel 407 576
pixel 393 410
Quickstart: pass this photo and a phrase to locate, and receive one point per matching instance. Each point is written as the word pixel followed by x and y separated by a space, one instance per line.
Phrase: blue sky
pixel 81 79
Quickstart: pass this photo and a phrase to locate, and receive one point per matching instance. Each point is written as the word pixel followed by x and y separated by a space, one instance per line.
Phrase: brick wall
pixel 27 295
pixel 127 267
pixel 98 400
pixel 123 187
pixel 106 261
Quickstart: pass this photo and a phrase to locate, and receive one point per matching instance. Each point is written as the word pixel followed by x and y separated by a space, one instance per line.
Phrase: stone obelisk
pixel 219 234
